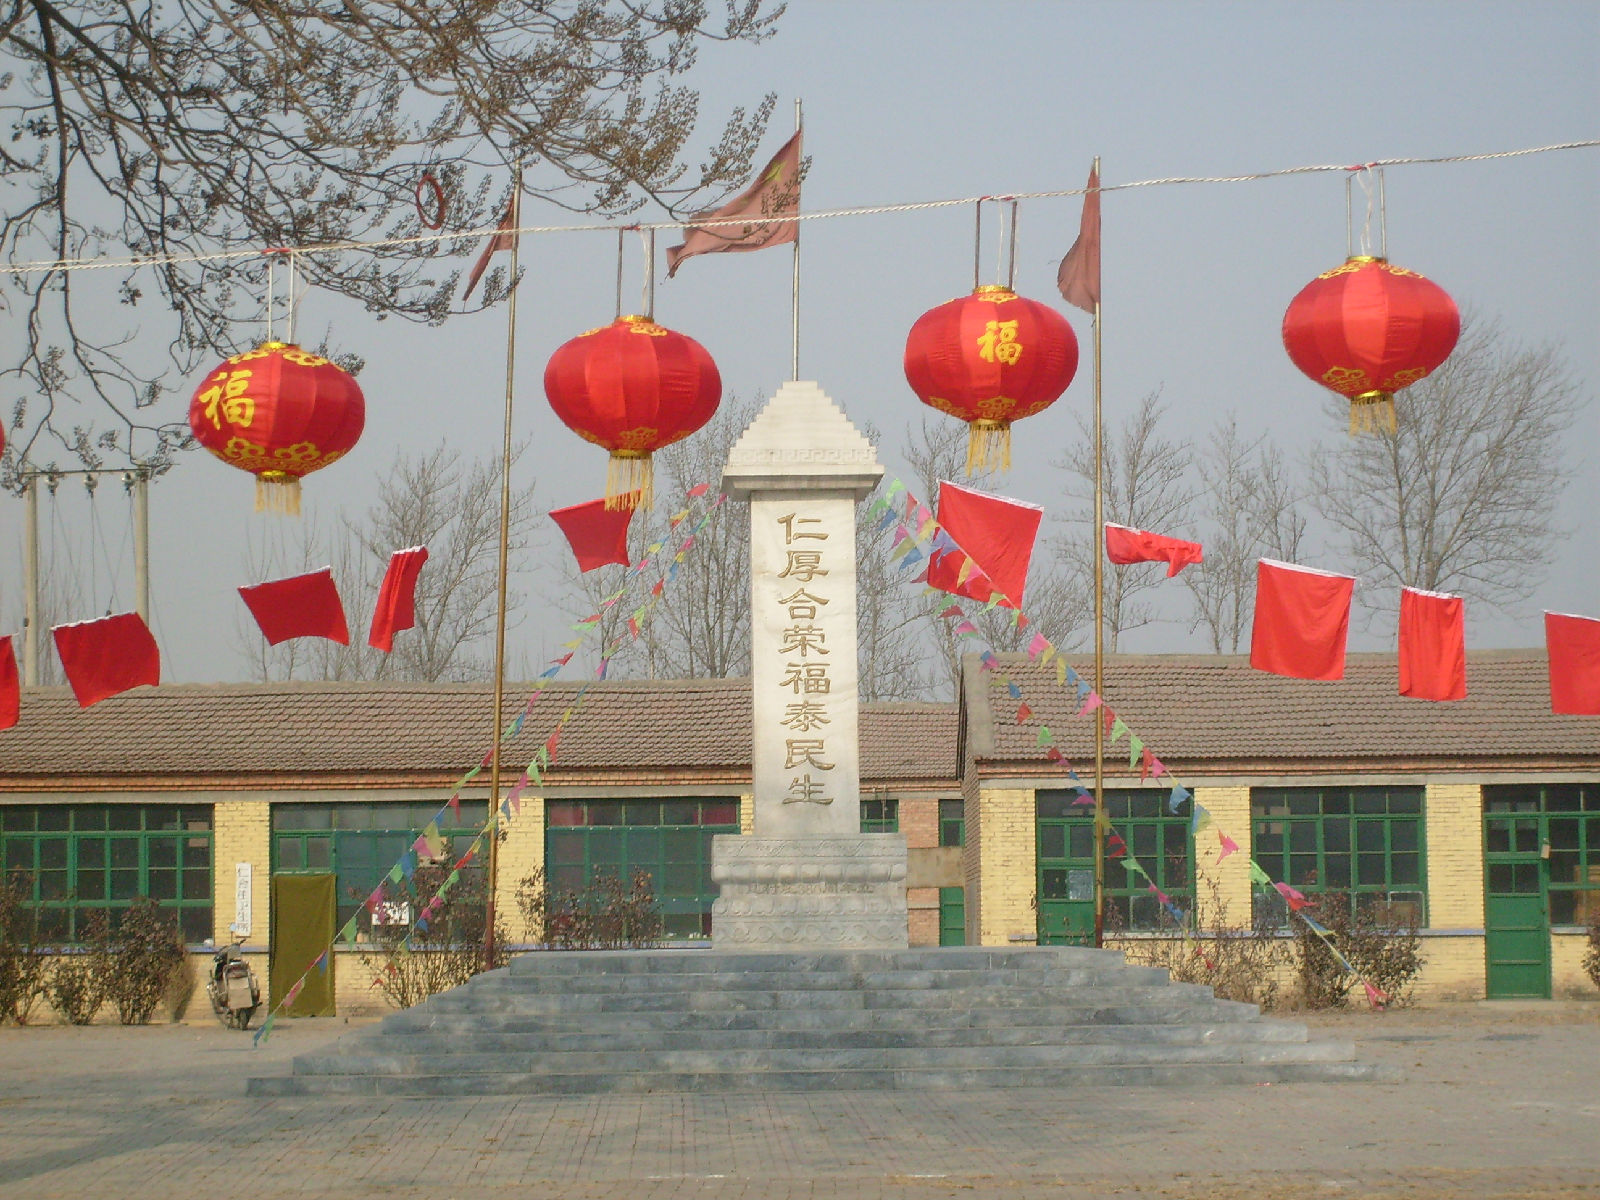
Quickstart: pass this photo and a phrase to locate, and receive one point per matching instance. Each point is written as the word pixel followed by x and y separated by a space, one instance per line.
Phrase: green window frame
pixel 880 815
pixel 669 839
pixel 1568 817
pixel 78 858
pixel 952 823
pixel 358 842
pixel 1367 843
pixel 1157 838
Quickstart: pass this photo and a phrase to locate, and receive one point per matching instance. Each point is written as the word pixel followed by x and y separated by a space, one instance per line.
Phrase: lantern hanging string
pixel 621 232
pixel 1011 269
pixel 129 261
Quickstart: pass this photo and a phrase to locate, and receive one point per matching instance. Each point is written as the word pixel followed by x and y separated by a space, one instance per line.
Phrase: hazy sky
pixel 927 101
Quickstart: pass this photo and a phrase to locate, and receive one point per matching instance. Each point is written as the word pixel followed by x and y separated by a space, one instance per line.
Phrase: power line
pixel 154 260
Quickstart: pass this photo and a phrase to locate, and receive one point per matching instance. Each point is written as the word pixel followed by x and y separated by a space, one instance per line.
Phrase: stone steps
pixel 703 1021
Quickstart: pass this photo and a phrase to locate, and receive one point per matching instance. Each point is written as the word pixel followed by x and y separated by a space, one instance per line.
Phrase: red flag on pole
pixel 1125 545
pixel 1433 645
pixel 503 239
pixel 1301 622
pixel 598 535
pixel 1079 275
pixel 1573 645
pixel 102 658
pixel 300 606
pixel 996 533
pixel 397 598
pixel 10 689
pixel 775 193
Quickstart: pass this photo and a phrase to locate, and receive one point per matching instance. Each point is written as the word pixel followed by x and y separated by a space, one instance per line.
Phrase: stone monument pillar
pixel 807 878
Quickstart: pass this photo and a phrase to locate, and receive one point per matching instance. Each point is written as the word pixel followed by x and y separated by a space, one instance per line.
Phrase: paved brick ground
pixel 1498 1101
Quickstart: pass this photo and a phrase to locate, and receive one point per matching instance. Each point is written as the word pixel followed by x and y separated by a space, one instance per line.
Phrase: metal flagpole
pixel 500 615
pixel 1099 639
pixel 794 291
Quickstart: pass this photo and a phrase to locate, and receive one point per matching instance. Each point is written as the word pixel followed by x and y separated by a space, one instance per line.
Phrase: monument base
pixel 809 893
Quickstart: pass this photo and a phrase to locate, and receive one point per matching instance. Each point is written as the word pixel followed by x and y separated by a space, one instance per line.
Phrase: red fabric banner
pixel 108 656
pixel 774 193
pixel 598 535
pixel 1078 277
pixel 300 606
pixel 1573 644
pixel 1125 545
pixel 996 533
pixel 1433 645
pixel 10 689
pixel 397 598
pixel 1302 620
pixel 503 239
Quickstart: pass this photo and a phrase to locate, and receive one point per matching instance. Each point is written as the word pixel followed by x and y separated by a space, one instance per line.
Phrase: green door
pixel 1066 882
pixel 952 916
pixel 1516 901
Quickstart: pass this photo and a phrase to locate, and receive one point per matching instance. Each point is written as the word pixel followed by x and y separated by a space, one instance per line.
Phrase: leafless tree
pixel 1148 486
pixel 1462 497
pixel 451 507
pixel 1248 510
pixel 203 127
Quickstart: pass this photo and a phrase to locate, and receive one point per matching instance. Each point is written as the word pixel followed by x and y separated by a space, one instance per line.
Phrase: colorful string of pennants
pixel 430 842
pixel 918 534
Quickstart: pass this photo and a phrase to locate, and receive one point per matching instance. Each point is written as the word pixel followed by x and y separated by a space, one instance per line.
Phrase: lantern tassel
pixel 988 446
pixel 278 492
pixel 1372 412
pixel 629 481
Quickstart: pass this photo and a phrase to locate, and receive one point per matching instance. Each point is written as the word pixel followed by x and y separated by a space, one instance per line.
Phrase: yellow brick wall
pixel 922 916
pixel 1453 813
pixel 1230 814
pixel 747 814
pixel 1006 866
pixel 241 831
pixel 1567 976
pixel 521 854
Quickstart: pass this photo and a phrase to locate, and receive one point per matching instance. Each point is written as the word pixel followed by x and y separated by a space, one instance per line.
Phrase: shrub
pixel 79 978
pixel 1380 942
pixel 145 951
pixel 607 915
pixel 1238 962
pixel 23 960
pixel 445 955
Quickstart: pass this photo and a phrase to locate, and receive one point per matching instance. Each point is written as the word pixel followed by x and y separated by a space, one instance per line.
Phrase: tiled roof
pixel 398 731
pixel 1215 714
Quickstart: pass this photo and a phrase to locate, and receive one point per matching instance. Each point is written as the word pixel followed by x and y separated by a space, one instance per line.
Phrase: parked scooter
pixel 232 987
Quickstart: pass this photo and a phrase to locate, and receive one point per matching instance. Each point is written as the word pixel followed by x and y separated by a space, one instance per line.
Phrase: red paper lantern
pixel 632 387
pixel 1367 329
pixel 990 358
pixel 279 413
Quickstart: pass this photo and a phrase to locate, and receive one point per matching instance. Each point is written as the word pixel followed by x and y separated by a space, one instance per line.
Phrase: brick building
pixel 1482 818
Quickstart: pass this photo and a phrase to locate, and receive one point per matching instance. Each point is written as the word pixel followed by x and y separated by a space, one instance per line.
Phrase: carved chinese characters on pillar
pixel 803 647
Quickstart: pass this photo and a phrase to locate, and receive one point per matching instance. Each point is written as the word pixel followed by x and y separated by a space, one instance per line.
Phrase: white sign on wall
pixel 241 900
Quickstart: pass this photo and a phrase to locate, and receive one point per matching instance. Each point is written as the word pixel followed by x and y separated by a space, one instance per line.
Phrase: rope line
pixel 152 260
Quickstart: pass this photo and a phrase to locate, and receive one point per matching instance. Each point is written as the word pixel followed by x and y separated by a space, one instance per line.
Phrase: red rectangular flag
pixel 1573 644
pixel 299 606
pixel 10 689
pixel 503 239
pixel 598 535
pixel 1078 278
pixel 996 533
pixel 1302 621
pixel 1433 645
pixel 1125 545
pixel 775 193
pixel 102 658
pixel 397 598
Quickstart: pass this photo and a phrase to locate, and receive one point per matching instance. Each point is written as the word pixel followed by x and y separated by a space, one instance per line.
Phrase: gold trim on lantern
pixel 644 325
pixel 998 292
pixel 629 480
pixel 1371 412
pixel 279 492
pixel 988 445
